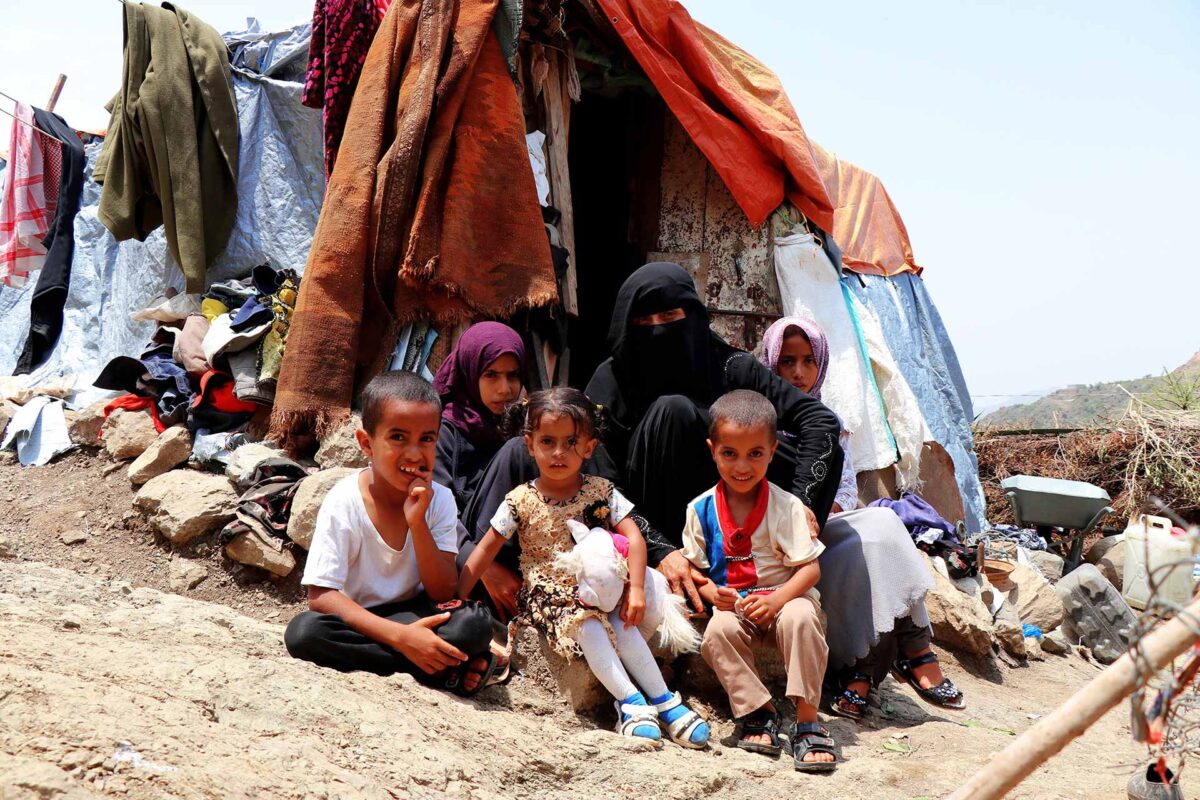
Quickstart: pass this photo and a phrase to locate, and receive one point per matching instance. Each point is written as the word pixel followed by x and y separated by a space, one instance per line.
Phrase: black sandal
pixel 761 723
pixel 809 737
pixel 944 695
pixel 855 705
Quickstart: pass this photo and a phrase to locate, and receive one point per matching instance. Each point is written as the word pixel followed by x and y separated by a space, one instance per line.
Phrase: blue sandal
pixel 638 722
pixel 683 728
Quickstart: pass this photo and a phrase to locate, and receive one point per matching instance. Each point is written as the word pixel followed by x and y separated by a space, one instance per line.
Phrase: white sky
pixel 1043 155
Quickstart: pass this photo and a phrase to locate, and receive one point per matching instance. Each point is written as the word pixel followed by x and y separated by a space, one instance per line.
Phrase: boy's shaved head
pixel 395 385
pixel 743 408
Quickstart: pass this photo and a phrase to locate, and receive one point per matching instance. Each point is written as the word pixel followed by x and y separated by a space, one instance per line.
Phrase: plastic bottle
pixel 1151 549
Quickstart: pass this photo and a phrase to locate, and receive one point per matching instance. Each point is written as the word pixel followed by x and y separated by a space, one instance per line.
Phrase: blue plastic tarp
pixel 281 183
pixel 922 349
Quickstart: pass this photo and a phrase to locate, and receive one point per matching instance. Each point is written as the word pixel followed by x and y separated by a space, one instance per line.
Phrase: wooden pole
pixel 58 87
pixel 1055 731
pixel 558 126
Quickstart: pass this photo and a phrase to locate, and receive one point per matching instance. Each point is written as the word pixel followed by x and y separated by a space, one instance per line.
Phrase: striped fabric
pixel 24 216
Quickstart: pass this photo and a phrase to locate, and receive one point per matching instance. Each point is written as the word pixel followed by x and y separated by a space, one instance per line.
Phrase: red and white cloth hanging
pixel 25 209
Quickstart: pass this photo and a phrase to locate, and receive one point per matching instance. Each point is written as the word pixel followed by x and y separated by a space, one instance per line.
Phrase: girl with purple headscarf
pixel 482 375
pixel 867 547
pixel 476 381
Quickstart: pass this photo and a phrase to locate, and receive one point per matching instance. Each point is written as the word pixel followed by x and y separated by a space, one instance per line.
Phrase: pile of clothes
pixel 265 505
pixel 932 534
pixel 213 361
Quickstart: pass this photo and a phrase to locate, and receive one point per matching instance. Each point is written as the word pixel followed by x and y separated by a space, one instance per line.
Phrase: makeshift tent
pixel 280 189
pixel 656 139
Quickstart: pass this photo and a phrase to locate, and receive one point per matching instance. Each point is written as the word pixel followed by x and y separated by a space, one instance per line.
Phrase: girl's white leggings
pixel 626 667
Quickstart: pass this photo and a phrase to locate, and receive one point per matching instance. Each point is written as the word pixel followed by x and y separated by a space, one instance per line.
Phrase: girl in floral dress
pixel 560 429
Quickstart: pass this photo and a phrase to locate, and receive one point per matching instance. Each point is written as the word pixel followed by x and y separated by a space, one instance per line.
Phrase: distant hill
pixel 1082 405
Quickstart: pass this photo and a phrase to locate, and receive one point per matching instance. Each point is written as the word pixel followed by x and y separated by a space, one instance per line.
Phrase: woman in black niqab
pixel 667 368
pixel 670 358
pixel 658 385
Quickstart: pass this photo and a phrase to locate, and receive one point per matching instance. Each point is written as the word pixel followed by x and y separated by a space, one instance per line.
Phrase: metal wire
pixel 23 122
pixel 1165 708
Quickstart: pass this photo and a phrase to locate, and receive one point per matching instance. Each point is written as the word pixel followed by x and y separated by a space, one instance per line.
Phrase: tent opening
pixel 615 159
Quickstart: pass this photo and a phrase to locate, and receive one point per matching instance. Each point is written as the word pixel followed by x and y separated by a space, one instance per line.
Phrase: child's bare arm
pixel 637 551
pixel 805 578
pixel 437 568
pixel 633 611
pixel 417 641
pixel 480 559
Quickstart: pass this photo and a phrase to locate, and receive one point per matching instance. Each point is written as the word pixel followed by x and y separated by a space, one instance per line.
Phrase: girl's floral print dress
pixel 548 598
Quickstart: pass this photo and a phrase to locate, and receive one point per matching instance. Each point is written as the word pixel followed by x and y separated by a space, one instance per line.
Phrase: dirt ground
pixel 112 685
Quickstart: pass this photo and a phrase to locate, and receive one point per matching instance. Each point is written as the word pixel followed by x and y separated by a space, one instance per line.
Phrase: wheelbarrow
pixel 1048 503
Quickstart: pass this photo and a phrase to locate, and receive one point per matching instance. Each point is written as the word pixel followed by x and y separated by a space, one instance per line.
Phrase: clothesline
pixel 23 122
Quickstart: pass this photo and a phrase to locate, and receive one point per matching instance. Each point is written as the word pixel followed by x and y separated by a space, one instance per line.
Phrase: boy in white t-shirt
pixel 382 557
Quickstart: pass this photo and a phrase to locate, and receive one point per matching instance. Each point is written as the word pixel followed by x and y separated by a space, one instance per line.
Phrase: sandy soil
pixel 95 651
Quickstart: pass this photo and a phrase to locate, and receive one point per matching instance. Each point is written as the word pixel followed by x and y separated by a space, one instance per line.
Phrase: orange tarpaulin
pixel 736 111
pixel 733 107
pixel 866 225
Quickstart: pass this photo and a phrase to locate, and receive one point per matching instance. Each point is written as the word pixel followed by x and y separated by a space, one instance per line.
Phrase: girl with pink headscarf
pixel 868 634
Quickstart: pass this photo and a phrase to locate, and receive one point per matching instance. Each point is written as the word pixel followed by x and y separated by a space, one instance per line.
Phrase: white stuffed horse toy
pixel 602 572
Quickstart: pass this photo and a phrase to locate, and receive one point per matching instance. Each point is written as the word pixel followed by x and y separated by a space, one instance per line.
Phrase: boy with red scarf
pixel 754 541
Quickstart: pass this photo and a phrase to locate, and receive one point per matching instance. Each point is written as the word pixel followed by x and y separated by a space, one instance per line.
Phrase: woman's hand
pixel 634 609
pixel 502 585
pixel 683 578
pixel 835 509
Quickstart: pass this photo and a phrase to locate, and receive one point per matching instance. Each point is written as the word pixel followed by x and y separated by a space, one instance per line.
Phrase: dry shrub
pixel 1147 451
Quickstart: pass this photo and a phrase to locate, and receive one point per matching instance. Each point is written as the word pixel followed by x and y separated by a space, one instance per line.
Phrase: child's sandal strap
pixel 812 738
pixel 909 664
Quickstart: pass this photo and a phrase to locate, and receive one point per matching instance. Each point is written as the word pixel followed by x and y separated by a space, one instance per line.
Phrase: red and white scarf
pixel 25 214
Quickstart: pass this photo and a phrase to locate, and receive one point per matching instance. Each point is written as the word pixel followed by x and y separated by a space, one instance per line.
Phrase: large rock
pixel 1056 642
pixel 939 486
pixel 960 621
pixel 246 459
pixel 1035 599
pixel 1009 632
pixel 185 574
pixel 170 449
pixel 84 429
pixel 1047 563
pixel 248 549
pixel 1108 554
pixel 340 449
pixel 573 678
pixel 184 504
pixel 307 502
pixel 7 410
pixel 128 434
pixel 1101 547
